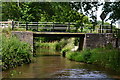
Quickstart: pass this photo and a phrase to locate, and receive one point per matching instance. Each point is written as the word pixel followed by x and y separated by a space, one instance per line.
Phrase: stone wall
pixel 119 43
pixel 25 36
pixel 94 40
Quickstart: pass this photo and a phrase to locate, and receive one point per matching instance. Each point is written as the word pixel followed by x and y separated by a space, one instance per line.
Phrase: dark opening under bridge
pixel 62 34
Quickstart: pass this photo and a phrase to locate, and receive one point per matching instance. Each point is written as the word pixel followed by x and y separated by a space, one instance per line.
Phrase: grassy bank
pixel 14 52
pixel 52 48
pixel 107 57
pixel 49 48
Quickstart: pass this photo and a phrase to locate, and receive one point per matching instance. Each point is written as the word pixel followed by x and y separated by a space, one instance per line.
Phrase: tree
pixel 10 10
pixel 33 10
pixel 87 8
pixel 39 11
pixel 114 9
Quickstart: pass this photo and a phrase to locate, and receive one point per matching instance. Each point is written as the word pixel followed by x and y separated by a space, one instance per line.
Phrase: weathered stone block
pixel 94 40
pixel 25 36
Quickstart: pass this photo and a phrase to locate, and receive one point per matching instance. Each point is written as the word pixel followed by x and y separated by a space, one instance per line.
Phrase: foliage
pixel 87 8
pixel 49 45
pixel 55 45
pixel 6 30
pixel 39 12
pixel 53 48
pixel 82 56
pixel 14 52
pixel 69 45
pixel 114 9
pixel 107 57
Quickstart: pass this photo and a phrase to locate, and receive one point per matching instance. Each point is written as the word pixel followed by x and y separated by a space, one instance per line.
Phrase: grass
pixel 54 47
pixel 107 57
pixel 14 52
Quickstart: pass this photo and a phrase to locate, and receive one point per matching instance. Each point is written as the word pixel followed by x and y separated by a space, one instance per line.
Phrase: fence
pixel 52 26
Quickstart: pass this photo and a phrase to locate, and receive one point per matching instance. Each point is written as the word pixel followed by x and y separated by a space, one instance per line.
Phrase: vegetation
pixel 60 46
pixel 113 8
pixel 57 12
pixel 70 44
pixel 60 12
pixel 14 52
pixel 26 11
pixel 107 57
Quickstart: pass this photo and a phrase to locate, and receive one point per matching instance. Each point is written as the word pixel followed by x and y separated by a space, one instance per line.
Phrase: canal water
pixel 59 67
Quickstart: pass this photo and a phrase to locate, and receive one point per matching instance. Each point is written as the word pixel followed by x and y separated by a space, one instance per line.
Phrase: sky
pixel 100 11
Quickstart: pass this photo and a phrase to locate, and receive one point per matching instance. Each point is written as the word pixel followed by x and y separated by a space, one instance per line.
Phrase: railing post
pixel 102 25
pixel 68 26
pixel 111 27
pixel 80 44
pixel 100 29
pixel 53 26
pixel 12 25
pixel 26 26
pixel 37 26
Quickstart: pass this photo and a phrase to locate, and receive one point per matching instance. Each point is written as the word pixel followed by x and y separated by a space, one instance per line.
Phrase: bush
pixel 6 30
pixel 82 56
pixel 56 45
pixel 106 57
pixel 68 45
pixel 59 46
pixel 14 52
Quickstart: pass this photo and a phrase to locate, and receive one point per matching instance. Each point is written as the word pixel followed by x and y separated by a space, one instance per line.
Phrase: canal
pixel 59 67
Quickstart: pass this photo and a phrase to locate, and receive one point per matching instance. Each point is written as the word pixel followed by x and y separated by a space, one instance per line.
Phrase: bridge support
pixel 25 36
pixel 94 40
pixel 81 41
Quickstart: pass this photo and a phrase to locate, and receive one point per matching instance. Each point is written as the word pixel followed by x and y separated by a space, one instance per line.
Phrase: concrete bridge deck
pixel 57 34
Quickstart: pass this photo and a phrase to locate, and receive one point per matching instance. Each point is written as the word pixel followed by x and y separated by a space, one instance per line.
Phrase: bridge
pixel 55 29
pixel 87 40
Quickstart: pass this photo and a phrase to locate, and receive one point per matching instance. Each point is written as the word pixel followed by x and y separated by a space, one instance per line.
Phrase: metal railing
pixel 51 26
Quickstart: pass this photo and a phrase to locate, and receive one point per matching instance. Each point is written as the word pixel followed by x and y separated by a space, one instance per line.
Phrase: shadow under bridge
pixel 62 34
